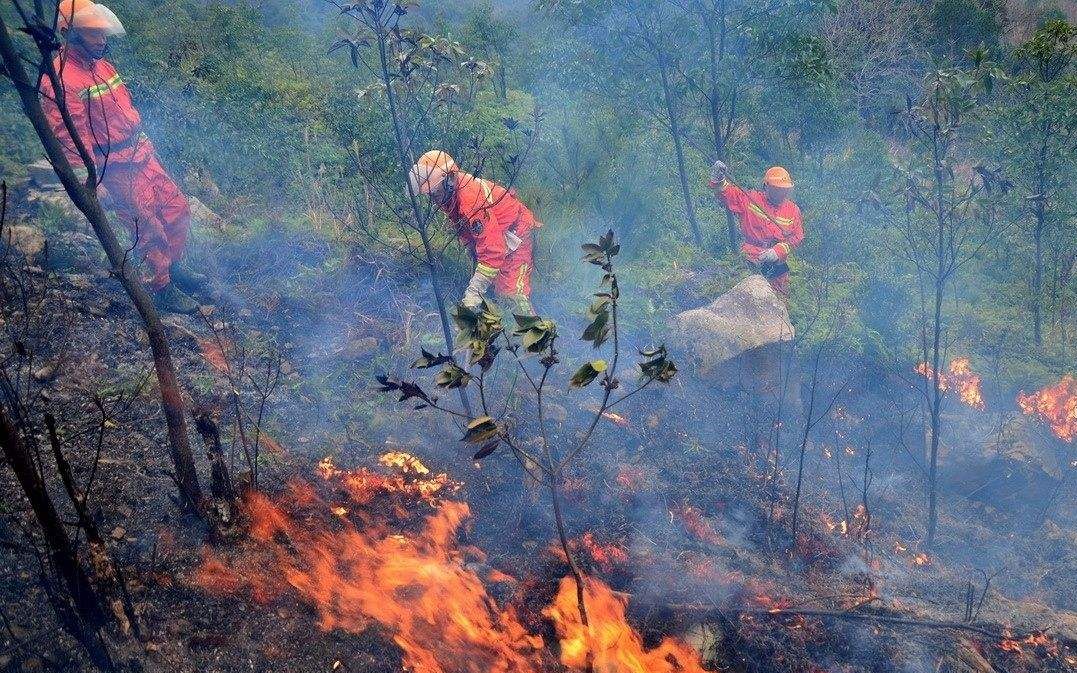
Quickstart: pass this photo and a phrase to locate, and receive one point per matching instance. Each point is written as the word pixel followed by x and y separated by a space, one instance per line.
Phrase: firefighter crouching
pixel 490 221
pixel 769 221
pixel 133 183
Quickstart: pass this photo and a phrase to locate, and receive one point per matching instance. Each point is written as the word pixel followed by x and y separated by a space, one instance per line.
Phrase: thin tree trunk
pixel 86 201
pixel 941 274
pixel 405 166
pixel 1040 212
pixel 678 147
pixel 716 52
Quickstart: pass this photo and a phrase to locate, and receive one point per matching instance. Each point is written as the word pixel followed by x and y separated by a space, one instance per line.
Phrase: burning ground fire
pixel 959 378
pixel 364 561
pixel 1056 405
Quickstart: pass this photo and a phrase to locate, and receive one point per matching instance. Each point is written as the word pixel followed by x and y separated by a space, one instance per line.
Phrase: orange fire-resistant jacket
pixel 481 212
pixel 100 108
pixel 764 226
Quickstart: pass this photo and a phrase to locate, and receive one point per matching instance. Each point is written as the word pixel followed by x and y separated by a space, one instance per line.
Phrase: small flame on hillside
pixel 960 378
pixel 608 643
pixel 1056 405
pixel 1034 641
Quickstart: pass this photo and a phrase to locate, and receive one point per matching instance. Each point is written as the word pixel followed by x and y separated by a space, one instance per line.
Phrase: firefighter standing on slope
pixel 132 181
pixel 769 220
pixel 491 222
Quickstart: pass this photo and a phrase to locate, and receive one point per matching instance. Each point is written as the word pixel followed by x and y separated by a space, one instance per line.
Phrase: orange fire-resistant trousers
pixel 152 207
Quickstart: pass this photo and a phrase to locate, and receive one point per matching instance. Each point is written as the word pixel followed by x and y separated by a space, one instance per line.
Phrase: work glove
pixel 476 288
pixel 719 171
pixel 769 256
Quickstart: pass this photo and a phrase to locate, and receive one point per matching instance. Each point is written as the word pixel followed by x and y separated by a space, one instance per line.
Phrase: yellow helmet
pixel 430 170
pixel 776 176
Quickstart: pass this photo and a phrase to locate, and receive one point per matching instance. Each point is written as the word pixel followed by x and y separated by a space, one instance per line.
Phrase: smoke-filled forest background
pixel 246 103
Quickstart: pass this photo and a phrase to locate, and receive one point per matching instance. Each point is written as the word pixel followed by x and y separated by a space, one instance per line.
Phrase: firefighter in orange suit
pixel 490 221
pixel 133 181
pixel 769 220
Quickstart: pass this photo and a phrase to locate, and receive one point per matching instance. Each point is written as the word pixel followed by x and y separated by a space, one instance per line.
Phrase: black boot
pixel 170 299
pixel 187 280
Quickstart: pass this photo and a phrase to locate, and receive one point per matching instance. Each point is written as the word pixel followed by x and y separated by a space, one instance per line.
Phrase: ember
pixel 694 522
pixel 606 556
pixel 630 478
pixel 1056 405
pixel 1037 641
pixel 213 353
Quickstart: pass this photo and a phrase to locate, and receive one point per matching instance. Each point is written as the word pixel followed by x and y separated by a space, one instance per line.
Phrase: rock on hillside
pixel 750 316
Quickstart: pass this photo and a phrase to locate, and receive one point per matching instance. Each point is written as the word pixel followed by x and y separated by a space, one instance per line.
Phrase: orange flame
pixel 1056 405
pixel 960 379
pixel 415 582
pixel 607 643
pixel 410 478
pixel 1048 645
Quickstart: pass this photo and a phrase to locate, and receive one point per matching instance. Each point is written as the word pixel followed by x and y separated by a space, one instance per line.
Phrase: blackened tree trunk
pixel 84 617
pixel 85 199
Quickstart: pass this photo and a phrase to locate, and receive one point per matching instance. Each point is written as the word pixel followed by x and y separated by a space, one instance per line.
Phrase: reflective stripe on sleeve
pixel 486 270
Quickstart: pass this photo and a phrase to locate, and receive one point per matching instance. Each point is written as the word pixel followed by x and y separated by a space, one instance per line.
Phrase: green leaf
pixel 480 430
pixel 452 376
pixel 486 449
pixel 587 373
pixel 538 336
pixel 652 352
pixel 526 322
pixel 660 369
pixel 598 330
pixel 429 360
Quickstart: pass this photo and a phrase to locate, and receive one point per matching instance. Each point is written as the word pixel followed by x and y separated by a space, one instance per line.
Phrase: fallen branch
pixel 852 614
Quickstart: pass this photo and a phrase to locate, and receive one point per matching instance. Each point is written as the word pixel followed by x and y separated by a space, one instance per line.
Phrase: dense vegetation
pixel 248 104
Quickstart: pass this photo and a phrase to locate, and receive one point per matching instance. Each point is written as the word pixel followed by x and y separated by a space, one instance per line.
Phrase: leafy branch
pixel 486 337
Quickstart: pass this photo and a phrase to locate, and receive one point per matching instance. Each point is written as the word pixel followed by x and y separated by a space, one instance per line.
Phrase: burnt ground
pixel 698 538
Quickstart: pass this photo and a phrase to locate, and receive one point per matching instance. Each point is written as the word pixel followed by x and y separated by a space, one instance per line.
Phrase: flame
pixel 607 643
pixel 413 580
pixel 405 462
pixel 438 612
pixel 1056 405
pixel 960 378
pixel 409 478
pixel 617 419
pixel 921 560
pixel 1041 640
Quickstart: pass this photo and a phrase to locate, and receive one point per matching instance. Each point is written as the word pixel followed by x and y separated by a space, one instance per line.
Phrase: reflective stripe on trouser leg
pixel 515 286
